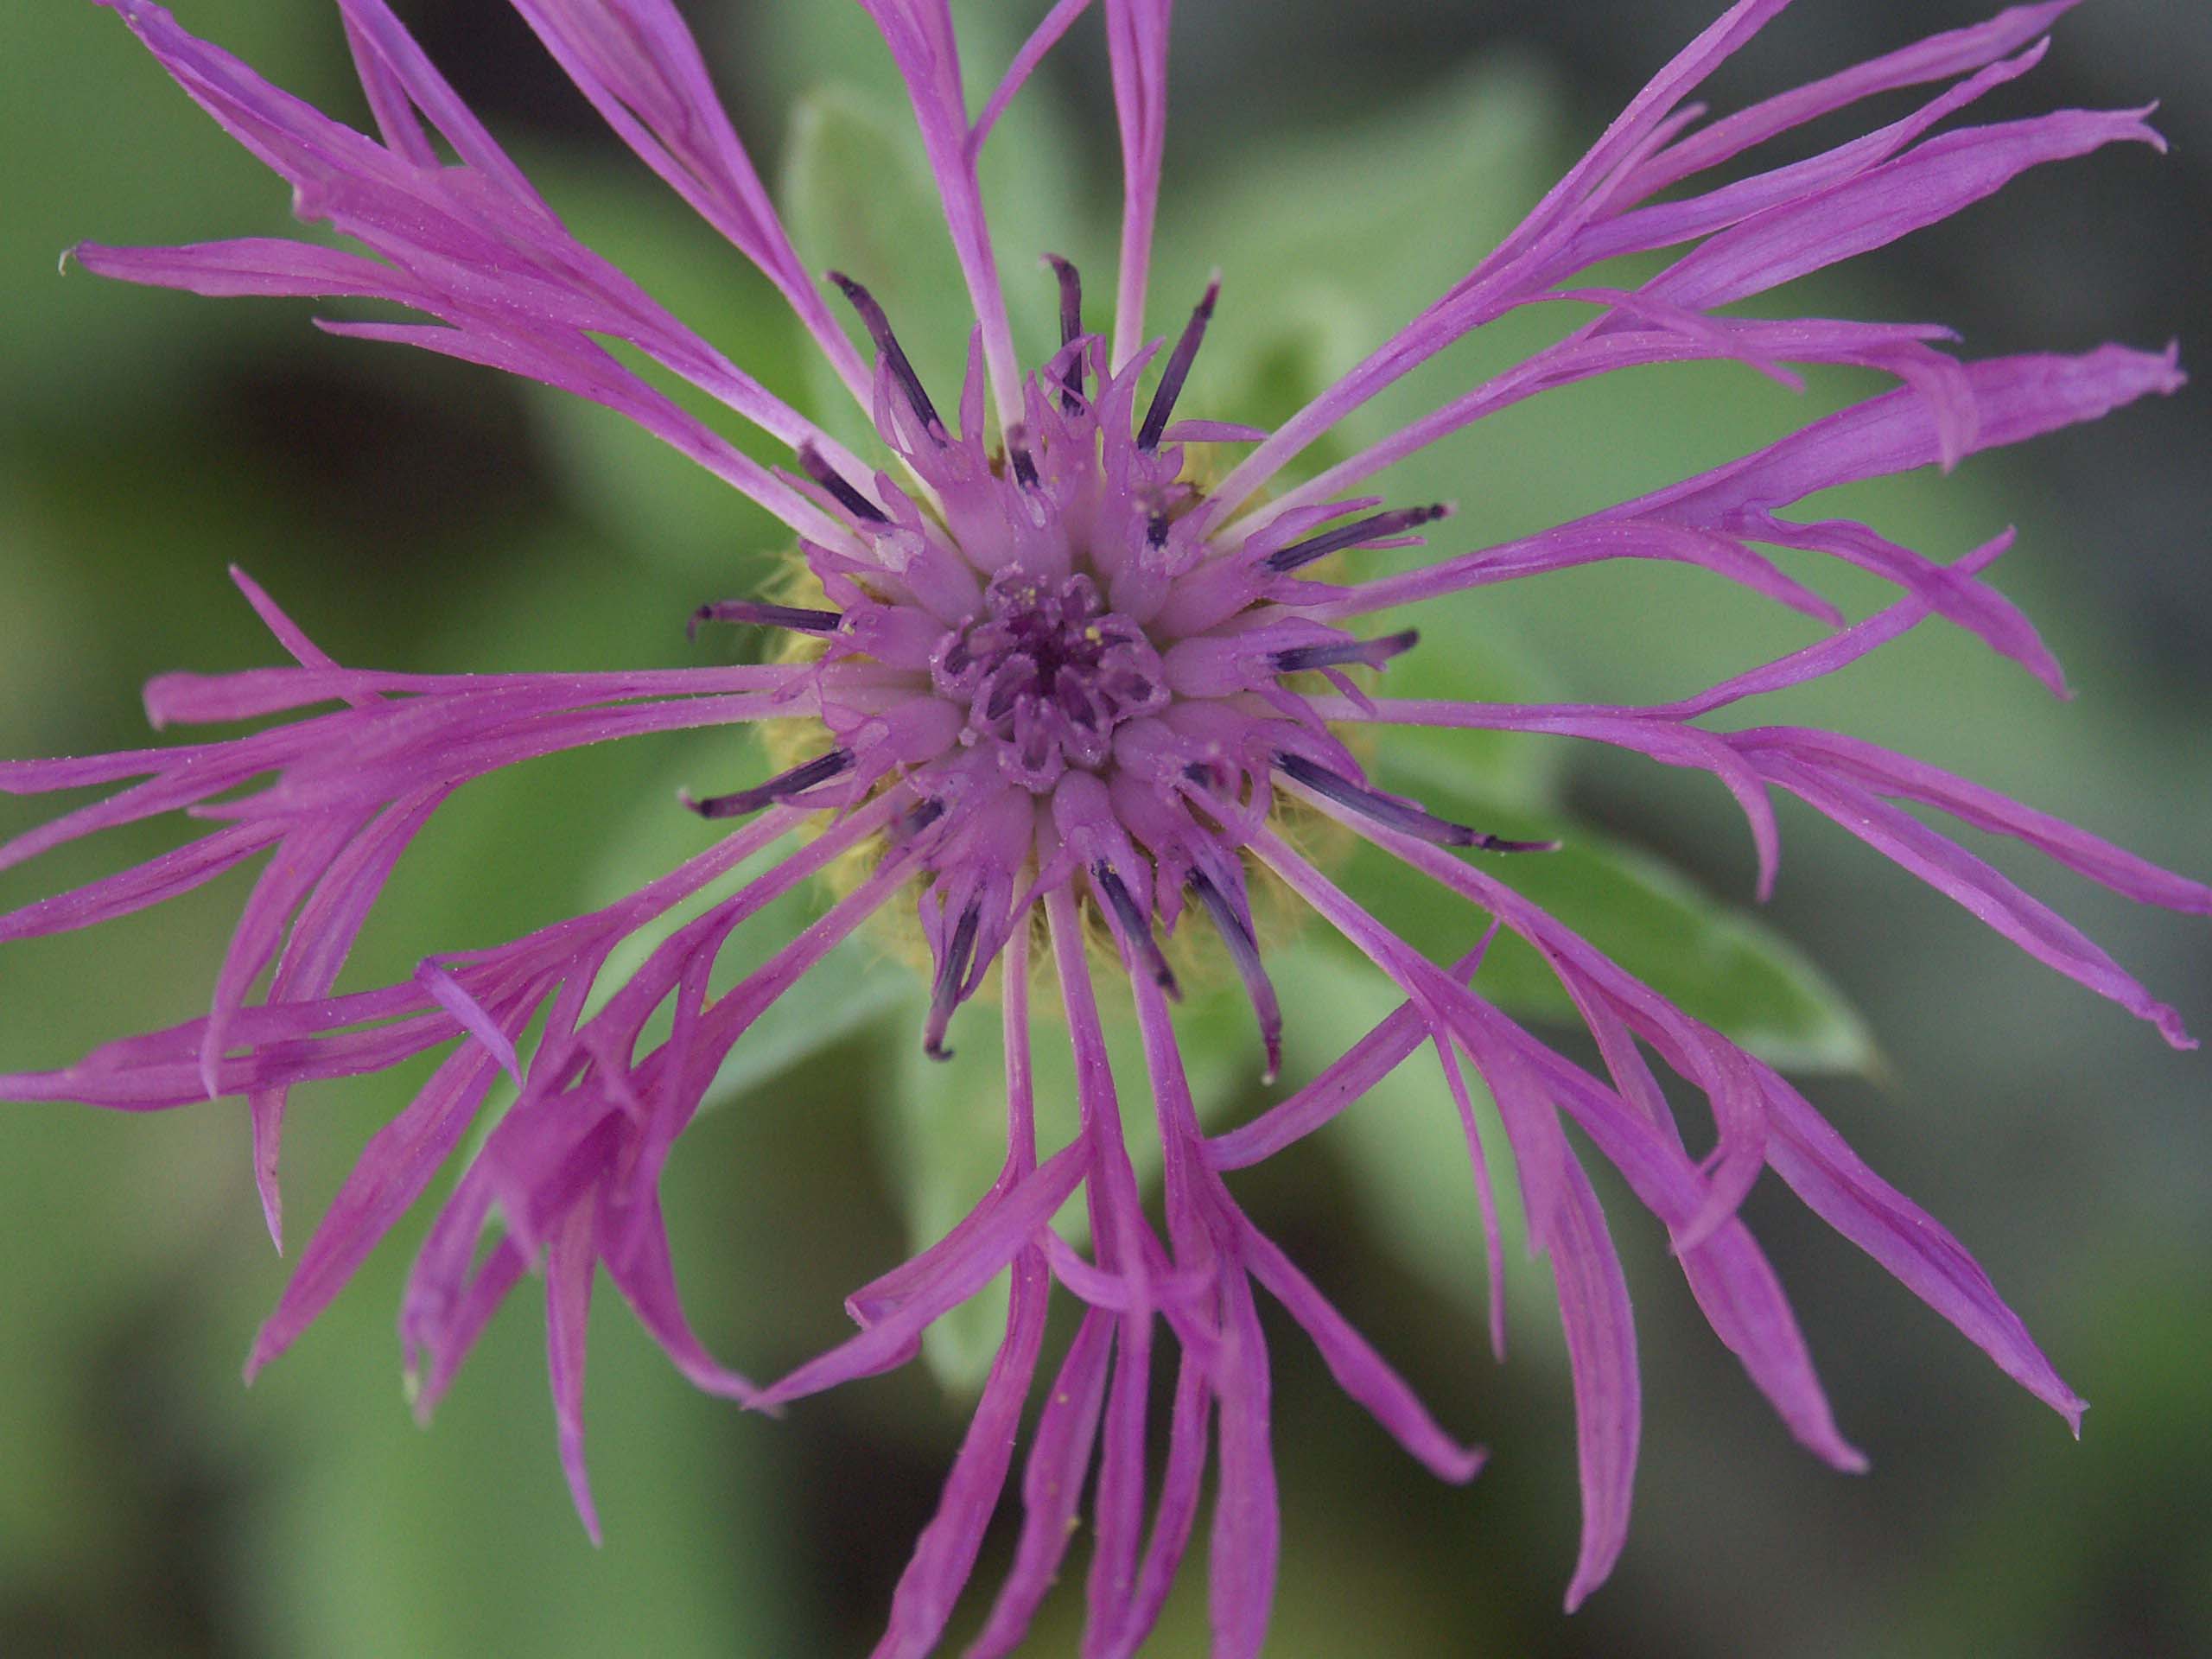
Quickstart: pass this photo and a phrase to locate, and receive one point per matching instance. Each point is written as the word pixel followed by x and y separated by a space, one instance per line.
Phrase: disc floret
pixel 1036 637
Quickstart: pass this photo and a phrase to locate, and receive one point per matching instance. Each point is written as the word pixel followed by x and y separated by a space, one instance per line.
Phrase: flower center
pixel 1040 735
pixel 1047 672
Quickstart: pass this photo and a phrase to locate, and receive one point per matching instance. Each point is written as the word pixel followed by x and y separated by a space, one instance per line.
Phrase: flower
pixel 1078 687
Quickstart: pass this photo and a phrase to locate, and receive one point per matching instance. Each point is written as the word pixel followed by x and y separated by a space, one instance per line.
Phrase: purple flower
pixel 1064 677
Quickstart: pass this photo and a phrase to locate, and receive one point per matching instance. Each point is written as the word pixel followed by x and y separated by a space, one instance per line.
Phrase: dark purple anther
pixel 804 776
pixel 1135 929
pixel 1360 531
pixel 1047 673
pixel 1373 653
pixel 1019 458
pixel 915 819
pixel 951 982
pixel 894 356
pixel 1008 686
pixel 1235 926
pixel 1179 369
pixel 1070 328
pixel 819 469
pixel 1398 815
pixel 1071 299
pixel 752 614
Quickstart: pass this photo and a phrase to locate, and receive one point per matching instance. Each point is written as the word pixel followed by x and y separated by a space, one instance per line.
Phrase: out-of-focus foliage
pixel 419 514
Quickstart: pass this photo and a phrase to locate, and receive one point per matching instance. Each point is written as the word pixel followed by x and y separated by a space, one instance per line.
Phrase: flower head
pixel 1068 667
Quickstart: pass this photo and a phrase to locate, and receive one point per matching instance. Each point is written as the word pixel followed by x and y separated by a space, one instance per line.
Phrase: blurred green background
pixel 417 514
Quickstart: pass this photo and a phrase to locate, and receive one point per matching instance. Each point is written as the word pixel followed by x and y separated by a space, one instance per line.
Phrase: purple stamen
pixel 1372 653
pixel 915 819
pixel 1179 368
pixel 1019 458
pixel 1135 929
pixel 753 614
pixel 1398 815
pixel 804 776
pixel 1048 673
pixel 951 980
pixel 894 355
pixel 1070 328
pixel 819 469
pixel 1230 921
pixel 1002 701
pixel 1371 529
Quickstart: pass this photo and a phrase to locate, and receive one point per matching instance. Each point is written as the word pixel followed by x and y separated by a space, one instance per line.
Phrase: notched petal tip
pixel 2149 134
pixel 2169 1023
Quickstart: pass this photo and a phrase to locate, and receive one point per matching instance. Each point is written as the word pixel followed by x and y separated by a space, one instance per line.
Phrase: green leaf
pixel 855 986
pixel 103 147
pixel 639 493
pixel 1401 1143
pixel 1714 962
pixel 859 197
pixel 1467 660
pixel 944 1125
pixel 1262 365
pixel 1484 146
pixel 493 1559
